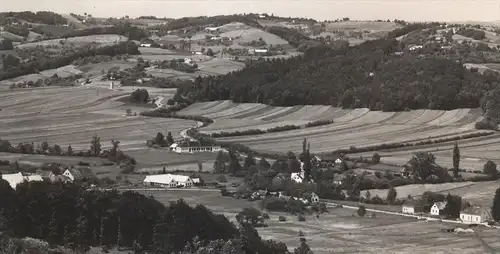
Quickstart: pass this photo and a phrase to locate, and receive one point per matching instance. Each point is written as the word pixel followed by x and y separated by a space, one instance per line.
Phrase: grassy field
pixel 73 115
pixel 340 231
pixel 358 127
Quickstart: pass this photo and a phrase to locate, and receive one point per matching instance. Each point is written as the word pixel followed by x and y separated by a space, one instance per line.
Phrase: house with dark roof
pixel 80 173
pixel 475 215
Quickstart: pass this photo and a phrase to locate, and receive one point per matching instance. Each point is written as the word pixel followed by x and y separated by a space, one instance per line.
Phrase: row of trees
pixel 367 75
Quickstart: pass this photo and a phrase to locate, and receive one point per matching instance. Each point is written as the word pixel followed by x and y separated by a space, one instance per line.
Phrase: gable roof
pixel 166 178
pixel 411 203
pixel 474 210
pixel 33 178
pixel 13 179
pixel 44 173
pixel 81 173
pixel 440 205
pixel 17 178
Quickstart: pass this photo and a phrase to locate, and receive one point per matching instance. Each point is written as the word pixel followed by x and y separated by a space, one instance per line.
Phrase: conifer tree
pixel 495 209
pixel 456 159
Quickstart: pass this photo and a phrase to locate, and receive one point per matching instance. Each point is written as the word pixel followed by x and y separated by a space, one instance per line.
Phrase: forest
pixel 67 214
pixel 368 75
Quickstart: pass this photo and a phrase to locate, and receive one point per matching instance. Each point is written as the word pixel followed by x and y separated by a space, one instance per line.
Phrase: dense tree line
pixel 66 214
pixel 471 33
pixel 56 62
pixel 213 21
pixel 410 28
pixel 44 17
pixel 368 75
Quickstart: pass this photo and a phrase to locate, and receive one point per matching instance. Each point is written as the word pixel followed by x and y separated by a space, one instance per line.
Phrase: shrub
pixel 301 217
pixel 318 123
pixel 81 163
pixel 486 124
pixel 361 211
pixel 265 216
pixel 282 218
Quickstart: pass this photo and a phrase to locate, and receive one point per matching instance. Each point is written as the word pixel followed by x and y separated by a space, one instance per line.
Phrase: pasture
pixel 352 127
pixel 339 231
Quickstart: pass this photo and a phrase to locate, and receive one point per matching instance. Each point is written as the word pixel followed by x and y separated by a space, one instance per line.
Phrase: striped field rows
pixel 352 127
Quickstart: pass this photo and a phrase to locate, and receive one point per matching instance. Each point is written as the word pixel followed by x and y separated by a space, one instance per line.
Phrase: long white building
pixel 168 181
pixel 194 149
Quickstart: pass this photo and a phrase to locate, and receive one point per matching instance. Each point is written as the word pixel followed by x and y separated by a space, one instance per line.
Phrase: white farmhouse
pixel 475 215
pixel 168 181
pixel 411 207
pixel 437 208
pixel 145 45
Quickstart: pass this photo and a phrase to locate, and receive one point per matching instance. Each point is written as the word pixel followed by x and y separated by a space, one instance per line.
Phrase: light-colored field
pixel 73 115
pixel 372 26
pixel 104 39
pixel 340 232
pixel 358 127
pixel 97 68
pixel 63 72
pixel 416 190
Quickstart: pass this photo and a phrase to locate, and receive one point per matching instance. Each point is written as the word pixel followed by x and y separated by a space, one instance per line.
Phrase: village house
pixel 46 175
pixel 411 207
pixel 80 173
pixel 438 208
pixel 475 215
pixel 297 177
pixel 338 179
pixel 145 45
pixel 168 181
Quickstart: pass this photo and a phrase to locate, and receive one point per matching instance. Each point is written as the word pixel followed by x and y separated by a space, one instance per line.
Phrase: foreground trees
pixel 70 215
